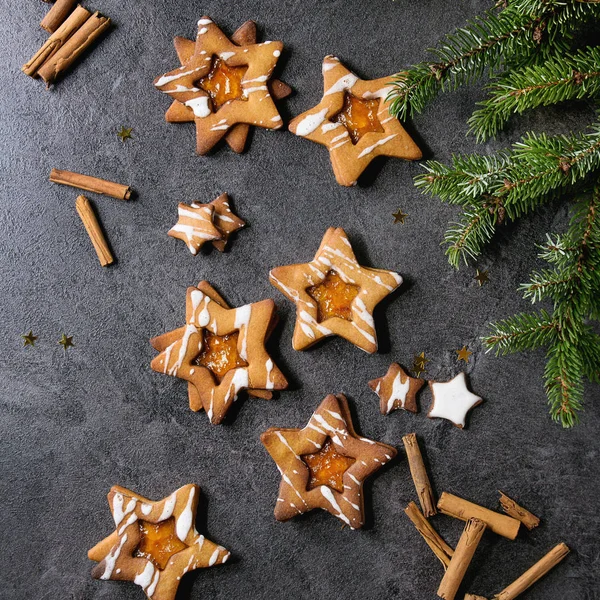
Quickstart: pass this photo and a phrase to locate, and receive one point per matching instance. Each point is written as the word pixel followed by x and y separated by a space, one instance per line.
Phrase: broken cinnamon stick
pixel 90 222
pixel 465 549
pixel 474 597
pixel 419 474
pixel 430 535
pixel 57 14
pixel 69 52
pixel 91 184
pixel 463 509
pixel 79 16
pixel 533 574
pixel 511 508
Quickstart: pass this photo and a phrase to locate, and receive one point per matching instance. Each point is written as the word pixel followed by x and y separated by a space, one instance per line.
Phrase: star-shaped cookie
pixel 396 389
pixel 354 123
pixel 155 543
pixel 180 113
pixel 334 295
pixel 200 223
pixel 220 351
pixel 222 83
pixel 452 400
pixel 325 464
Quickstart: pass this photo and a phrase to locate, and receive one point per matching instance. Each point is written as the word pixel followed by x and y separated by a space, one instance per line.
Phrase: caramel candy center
pixel 327 467
pixel 359 116
pixel 220 354
pixel 223 83
pixel 158 542
pixel 334 297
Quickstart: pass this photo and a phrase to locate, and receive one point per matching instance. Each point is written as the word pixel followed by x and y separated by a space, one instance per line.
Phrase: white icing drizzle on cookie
pixel 183 523
pixel 343 83
pixel 307 125
pixel 380 142
pixel 399 392
pixel 328 495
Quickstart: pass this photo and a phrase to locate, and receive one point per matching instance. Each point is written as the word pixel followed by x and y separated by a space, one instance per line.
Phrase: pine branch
pixel 517 36
pixel 561 78
pixel 525 331
pixel 574 286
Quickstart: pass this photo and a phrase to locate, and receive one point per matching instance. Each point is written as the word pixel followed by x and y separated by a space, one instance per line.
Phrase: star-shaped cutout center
pixel 396 390
pixel 452 400
pixel 334 295
pixel 224 84
pixel 29 339
pixel 155 543
pixel 198 224
pixel 66 341
pixel 220 351
pixel 463 354
pixel 354 122
pixel 325 464
pixel 125 133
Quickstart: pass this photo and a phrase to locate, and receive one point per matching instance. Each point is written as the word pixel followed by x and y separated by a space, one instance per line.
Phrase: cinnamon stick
pixel 90 222
pixel 430 535
pixel 465 549
pixel 419 474
pixel 69 52
pixel 79 16
pixel 91 184
pixel 57 14
pixel 511 508
pixel 463 509
pixel 533 574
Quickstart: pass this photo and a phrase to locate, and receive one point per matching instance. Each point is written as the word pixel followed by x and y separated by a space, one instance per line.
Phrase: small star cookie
pixel 223 84
pixel 396 390
pixel 155 543
pixel 354 123
pixel 220 351
pixel 325 464
pixel 334 295
pixel 201 223
pixel 452 400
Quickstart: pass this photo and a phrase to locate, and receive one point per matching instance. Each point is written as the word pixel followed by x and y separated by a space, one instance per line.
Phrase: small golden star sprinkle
pixel 399 217
pixel 420 360
pixel 125 134
pixel 29 339
pixel 66 342
pixel 463 354
pixel 481 277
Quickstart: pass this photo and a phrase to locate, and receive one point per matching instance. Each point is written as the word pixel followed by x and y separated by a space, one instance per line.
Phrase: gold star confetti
pixel 481 277
pixel 399 217
pixel 463 354
pixel 66 342
pixel 125 134
pixel 29 339
pixel 419 364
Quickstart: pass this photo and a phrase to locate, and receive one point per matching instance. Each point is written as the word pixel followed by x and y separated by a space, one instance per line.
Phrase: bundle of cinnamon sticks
pixel 478 519
pixel 72 32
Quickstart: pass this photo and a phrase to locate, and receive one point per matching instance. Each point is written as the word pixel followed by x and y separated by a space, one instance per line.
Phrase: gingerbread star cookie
pixel 220 352
pixel 201 223
pixel 155 543
pixel 223 84
pixel 334 295
pixel 396 390
pixel 452 400
pixel 325 464
pixel 354 123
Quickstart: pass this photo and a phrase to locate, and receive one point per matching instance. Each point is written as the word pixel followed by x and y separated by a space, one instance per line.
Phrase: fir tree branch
pixel 515 36
pixel 524 331
pixel 561 78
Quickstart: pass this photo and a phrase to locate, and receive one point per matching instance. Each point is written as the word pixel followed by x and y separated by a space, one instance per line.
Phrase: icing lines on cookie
pixel 111 558
pixel 398 392
pixel 148 579
pixel 183 523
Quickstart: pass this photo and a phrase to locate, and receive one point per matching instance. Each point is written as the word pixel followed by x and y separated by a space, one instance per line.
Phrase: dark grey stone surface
pixel 73 425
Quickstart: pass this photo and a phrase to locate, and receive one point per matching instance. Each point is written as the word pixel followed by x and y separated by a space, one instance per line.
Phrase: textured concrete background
pixel 73 425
